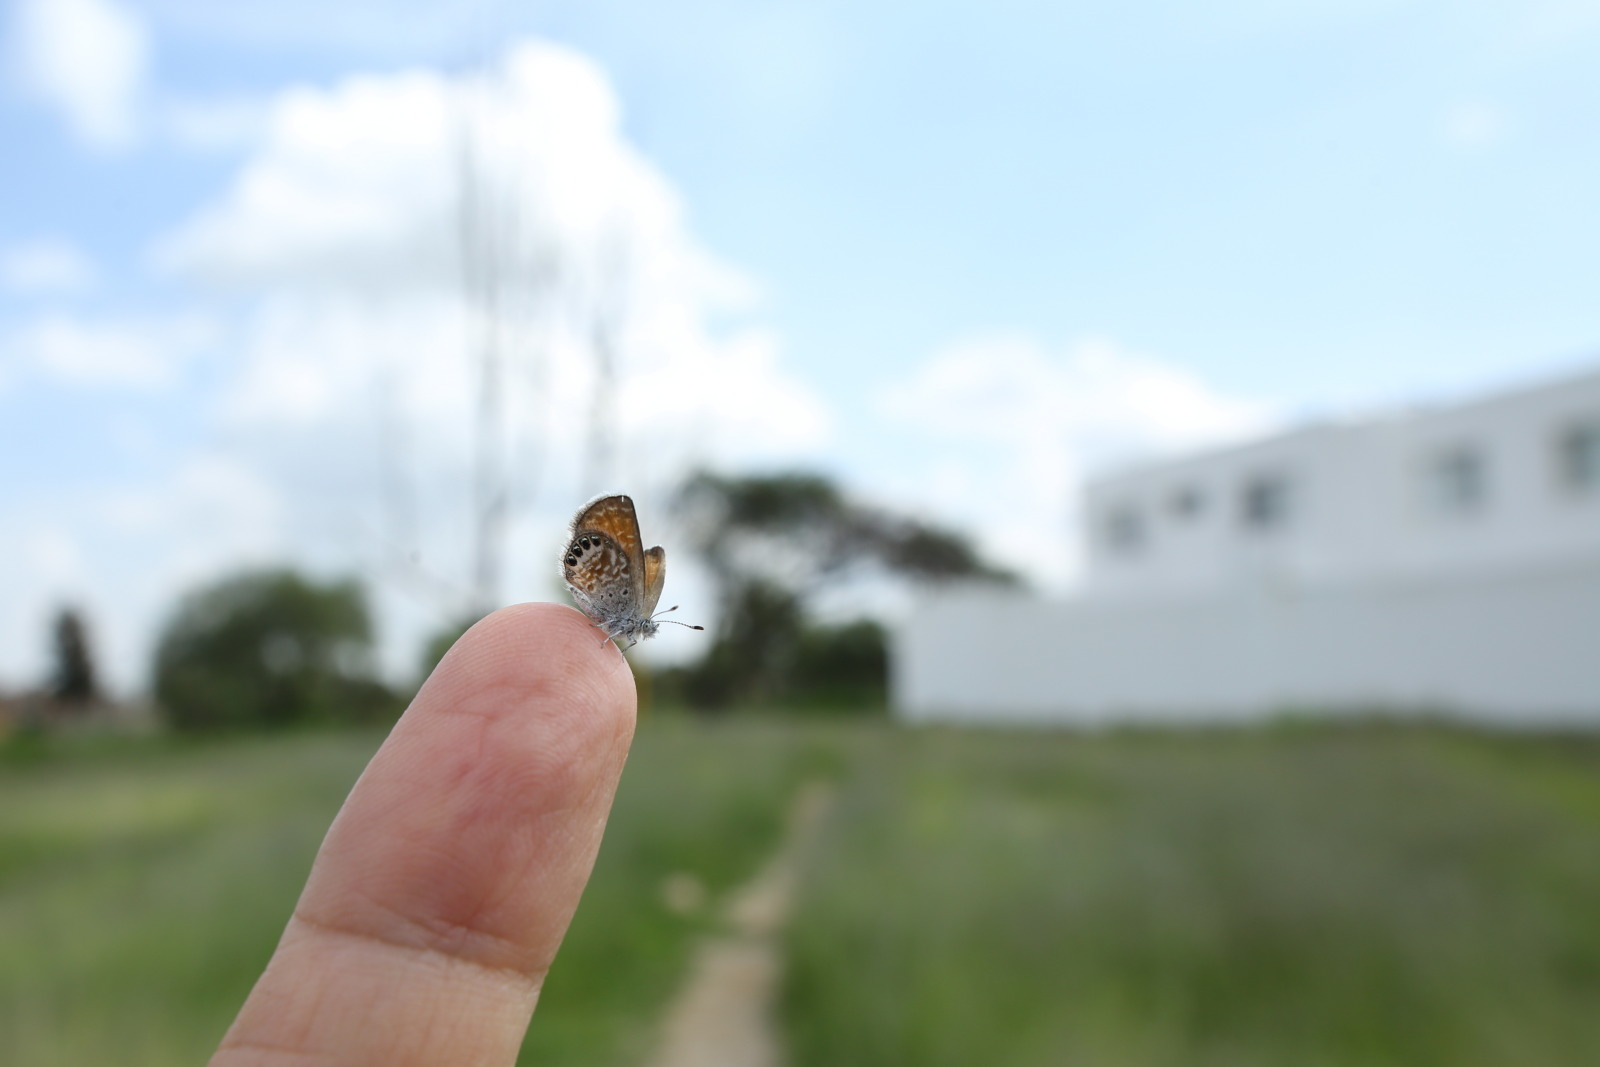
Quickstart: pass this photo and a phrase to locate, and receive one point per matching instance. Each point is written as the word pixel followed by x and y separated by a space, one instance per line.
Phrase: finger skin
pixel 445 885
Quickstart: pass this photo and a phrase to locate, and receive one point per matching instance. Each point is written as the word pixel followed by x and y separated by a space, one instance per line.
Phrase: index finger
pixel 446 883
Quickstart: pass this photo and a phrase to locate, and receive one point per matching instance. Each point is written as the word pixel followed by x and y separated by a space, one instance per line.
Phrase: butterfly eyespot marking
pixel 613 579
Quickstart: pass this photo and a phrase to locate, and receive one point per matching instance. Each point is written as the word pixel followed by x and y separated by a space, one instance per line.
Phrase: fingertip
pixel 548 705
pixel 547 649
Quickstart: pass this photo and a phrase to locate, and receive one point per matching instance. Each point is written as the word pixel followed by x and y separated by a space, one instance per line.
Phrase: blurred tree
pixel 754 649
pixel 800 532
pixel 72 678
pixel 269 649
pixel 773 544
pixel 842 666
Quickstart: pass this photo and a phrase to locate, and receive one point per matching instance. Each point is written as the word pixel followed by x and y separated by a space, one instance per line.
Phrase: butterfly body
pixel 613 579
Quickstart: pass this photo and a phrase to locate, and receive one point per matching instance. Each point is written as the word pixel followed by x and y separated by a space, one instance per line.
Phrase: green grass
pixel 697 800
pixel 1311 895
pixel 144 885
pixel 142 890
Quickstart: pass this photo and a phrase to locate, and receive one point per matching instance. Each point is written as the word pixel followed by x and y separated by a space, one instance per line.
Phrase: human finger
pixel 448 879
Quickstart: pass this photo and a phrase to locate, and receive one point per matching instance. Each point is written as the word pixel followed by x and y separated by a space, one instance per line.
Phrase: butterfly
pixel 613 579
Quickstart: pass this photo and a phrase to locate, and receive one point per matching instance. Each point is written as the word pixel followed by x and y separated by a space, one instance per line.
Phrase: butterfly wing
pixel 655 575
pixel 604 563
pixel 614 517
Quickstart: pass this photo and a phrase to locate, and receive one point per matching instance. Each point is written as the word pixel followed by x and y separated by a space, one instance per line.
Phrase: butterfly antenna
pixel 675 622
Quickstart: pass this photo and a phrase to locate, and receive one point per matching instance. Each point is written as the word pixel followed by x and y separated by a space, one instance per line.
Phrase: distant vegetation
pixel 269 649
pixel 276 648
pixel 70 695
pixel 74 680
pixel 775 546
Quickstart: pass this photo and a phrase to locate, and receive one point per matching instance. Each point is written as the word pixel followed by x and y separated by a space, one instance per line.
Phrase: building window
pixel 1578 457
pixel 1124 529
pixel 1456 482
pixel 1264 503
pixel 1186 503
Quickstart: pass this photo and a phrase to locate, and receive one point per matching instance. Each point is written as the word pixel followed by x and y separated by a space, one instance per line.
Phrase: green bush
pixel 269 649
pixel 842 667
pixel 776 661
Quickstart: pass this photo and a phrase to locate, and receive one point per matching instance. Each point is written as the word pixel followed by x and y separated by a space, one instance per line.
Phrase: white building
pixel 1443 561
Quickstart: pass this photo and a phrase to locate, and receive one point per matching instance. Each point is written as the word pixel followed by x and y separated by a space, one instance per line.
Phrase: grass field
pixel 143 886
pixel 1308 895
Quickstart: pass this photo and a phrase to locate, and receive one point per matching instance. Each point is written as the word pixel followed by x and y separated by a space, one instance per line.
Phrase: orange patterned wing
pixel 614 517
pixel 655 574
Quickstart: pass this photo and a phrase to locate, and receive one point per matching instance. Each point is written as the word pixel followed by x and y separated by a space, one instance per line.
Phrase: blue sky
pixel 959 254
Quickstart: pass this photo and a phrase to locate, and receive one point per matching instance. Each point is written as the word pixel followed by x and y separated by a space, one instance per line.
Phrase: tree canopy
pixel 268 649
pixel 773 545
pixel 73 680
pixel 797 530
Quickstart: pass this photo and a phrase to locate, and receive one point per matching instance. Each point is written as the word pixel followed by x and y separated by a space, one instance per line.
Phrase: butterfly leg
pixel 609 636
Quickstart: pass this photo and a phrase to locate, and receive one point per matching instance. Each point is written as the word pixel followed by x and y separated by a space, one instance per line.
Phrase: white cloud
pixel 89 58
pixel 1476 124
pixel 219 510
pixel 213 124
pixel 1108 402
pixel 124 555
pixel 361 186
pixel 731 399
pixel 46 265
pixel 142 353
pixel 1007 431
pixel 350 187
pixel 346 224
pixel 353 387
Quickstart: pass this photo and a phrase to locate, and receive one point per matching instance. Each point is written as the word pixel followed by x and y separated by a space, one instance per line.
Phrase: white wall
pixel 1360 506
pixel 1514 646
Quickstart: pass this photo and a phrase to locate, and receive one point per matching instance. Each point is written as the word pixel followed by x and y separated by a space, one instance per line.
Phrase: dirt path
pixel 723 1015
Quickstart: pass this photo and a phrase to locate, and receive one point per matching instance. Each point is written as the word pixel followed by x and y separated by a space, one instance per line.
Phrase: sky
pixel 959 256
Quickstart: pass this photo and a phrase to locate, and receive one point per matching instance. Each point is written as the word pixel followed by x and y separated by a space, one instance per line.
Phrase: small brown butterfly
pixel 612 578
